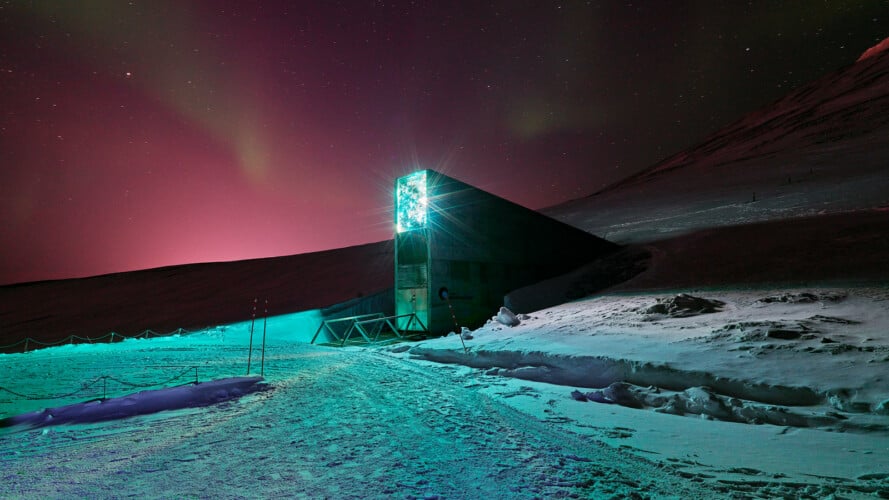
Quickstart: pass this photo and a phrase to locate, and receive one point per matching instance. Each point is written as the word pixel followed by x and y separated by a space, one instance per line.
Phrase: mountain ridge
pixel 868 96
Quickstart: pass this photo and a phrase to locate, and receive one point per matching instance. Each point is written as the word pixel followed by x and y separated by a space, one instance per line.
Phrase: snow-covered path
pixel 711 408
pixel 339 423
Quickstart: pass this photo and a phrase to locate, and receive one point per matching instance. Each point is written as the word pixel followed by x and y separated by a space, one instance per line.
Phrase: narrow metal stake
pixel 265 314
pixel 250 349
pixel 457 326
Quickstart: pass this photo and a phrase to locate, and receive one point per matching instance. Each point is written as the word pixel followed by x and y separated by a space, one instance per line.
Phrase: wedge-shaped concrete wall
pixel 476 247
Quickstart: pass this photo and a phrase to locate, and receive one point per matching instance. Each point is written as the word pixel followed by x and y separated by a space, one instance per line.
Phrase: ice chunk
pixel 507 317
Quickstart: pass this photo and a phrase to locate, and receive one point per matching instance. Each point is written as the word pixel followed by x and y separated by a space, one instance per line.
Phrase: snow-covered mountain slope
pixel 823 148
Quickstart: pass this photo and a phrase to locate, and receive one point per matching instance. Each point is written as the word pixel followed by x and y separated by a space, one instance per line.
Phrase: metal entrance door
pixel 412 278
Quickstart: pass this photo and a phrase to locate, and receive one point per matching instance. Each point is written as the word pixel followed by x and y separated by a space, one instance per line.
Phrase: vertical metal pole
pixel 250 349
pixel 265 315
pixel 456 325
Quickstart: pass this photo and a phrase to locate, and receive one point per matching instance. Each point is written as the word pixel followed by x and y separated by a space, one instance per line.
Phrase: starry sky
pixel 148 133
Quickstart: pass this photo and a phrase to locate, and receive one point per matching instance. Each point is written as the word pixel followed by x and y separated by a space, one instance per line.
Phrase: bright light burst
pixel 411 202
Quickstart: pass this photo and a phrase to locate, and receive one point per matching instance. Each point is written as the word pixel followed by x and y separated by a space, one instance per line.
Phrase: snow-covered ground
pixel 780 385
pixel 338 423
pixel 766 393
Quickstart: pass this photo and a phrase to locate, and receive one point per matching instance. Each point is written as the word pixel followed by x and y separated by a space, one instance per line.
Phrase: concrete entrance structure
pixel 456 243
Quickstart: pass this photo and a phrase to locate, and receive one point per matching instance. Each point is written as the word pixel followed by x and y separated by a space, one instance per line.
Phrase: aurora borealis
pixel 148 133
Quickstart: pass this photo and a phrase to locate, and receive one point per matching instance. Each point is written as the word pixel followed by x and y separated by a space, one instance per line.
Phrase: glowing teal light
pixel 411 202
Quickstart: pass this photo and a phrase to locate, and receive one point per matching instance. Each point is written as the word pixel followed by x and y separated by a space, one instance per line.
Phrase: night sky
pixel 148 133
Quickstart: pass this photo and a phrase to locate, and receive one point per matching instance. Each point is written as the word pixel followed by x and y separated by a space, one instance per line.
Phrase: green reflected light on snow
pixel 77 372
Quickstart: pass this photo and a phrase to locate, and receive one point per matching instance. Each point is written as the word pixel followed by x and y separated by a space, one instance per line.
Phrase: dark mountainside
pixel 843 106
pixel 193 295
pixel 821 149
pixel 794 193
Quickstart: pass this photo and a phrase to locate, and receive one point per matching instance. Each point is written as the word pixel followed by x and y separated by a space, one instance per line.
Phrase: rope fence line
pixel 82 340
pixel 112 336
pixel 104 379
pixel 57 396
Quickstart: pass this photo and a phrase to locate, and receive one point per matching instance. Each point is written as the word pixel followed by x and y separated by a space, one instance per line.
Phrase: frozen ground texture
pixel 792 385
pixel 339 423
pixel 767 393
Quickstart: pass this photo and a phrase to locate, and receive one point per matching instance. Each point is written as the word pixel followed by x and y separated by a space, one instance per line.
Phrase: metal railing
pixel 369 327
pixel 31 344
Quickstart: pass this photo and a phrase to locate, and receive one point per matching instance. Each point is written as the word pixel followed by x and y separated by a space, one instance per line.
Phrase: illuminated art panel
pixel 411 202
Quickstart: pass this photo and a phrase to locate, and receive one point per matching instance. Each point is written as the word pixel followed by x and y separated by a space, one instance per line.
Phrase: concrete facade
pixel 475 246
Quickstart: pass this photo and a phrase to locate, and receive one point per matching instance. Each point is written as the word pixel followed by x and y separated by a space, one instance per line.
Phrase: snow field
pixel 809 364
pixel 345 423
pixel 516 417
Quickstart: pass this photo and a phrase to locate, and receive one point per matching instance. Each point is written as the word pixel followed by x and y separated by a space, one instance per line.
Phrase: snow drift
pixel 141 403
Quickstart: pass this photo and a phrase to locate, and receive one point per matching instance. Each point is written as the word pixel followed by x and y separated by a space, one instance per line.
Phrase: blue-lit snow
pixel 426 419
